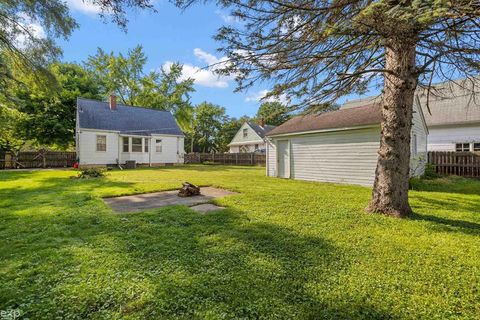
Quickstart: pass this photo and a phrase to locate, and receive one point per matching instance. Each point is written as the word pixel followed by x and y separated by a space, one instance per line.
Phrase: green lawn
pixel 283 249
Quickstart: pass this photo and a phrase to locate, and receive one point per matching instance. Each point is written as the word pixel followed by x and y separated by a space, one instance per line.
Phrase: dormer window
pixel 245 133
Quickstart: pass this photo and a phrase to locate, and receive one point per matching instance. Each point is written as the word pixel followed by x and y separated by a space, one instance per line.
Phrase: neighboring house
pixel 108 133
pixel 250 138
pixel 453 120
pixel 339 146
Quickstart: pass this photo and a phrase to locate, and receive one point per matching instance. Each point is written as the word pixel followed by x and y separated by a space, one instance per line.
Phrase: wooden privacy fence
pixel 37 159
pixel 250 159
pixel 466 164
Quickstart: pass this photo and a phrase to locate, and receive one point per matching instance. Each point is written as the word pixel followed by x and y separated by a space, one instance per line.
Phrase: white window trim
pixel 131 145
pixel 161 145
pixel 96 142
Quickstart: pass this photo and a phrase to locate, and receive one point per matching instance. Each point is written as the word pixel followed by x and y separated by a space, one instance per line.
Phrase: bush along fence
pixel 37 159
pixel 243 159
pixel 465 164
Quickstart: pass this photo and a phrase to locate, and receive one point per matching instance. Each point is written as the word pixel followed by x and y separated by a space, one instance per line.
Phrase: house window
pixel 256 147
pixel 125 144
pixel 137 144
pixel 476 146
pixel 101 143
pixel 146 145
pixel 414 145
pixel 245 132
pixel 158 145
pixel 462 147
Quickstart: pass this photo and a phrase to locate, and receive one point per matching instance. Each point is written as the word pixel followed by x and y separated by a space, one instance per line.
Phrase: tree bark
pixel 390 189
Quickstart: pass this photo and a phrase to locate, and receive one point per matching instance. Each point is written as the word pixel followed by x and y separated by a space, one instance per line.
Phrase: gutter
pixel 323 130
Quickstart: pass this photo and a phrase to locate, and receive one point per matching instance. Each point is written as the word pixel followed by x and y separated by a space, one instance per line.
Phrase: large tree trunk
pixel 390 189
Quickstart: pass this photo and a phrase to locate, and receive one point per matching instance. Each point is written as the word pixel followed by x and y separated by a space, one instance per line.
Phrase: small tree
pixel 318 51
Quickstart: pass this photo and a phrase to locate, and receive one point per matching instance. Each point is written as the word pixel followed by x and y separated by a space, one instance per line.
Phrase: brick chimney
pixel 262 122
pixel 113 102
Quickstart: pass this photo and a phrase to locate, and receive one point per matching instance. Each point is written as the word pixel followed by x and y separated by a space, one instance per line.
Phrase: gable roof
pixel 343 118
pixel 452 104
pixel 261 131
pixel 93 114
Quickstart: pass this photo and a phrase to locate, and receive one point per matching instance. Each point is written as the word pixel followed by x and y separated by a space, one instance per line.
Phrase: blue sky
pixel 169 35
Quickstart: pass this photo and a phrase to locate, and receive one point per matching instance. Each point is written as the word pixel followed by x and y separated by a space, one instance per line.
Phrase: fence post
pixel 251 158
pixel 213 158
pixel 236 158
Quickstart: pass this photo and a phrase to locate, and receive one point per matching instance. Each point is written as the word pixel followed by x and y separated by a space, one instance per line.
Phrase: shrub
pixel 430 172
pixel 91 173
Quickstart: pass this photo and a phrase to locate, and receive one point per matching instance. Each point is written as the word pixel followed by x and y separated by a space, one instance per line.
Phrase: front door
pixel 283 159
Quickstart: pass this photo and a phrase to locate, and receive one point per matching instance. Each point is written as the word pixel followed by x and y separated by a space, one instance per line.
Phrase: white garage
pixel 339 146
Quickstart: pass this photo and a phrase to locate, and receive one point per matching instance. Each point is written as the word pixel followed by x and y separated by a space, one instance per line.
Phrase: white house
pixel 108 133
pixel 339 146
pixel 250 138
pixel 454 117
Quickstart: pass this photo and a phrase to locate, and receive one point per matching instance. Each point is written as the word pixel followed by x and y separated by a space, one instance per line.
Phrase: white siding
pixel 172 149
pixel 87 148
pixel 340 157
pixel 271 159
pixel 418 161
pixel 444 138
pixel 250 147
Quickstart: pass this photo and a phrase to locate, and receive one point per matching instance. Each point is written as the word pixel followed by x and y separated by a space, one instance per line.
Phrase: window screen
pixel 101 143
pixel 136 144
pixel 158 145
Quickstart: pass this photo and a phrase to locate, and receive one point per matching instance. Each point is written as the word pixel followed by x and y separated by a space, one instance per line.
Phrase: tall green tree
pixel 274 113
pixel 29 28
pixel 205 125
pixel 11 137
pixel 124 75
pixel 50 112
pixel 318 51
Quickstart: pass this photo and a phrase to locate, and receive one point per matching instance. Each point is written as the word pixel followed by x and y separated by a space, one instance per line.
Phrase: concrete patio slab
pixel 206 207
pixel 140 202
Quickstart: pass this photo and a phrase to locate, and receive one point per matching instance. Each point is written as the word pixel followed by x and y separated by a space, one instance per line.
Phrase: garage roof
pixel 343 118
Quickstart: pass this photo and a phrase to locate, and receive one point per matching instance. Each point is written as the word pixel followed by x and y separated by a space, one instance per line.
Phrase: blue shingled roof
pixel 95 114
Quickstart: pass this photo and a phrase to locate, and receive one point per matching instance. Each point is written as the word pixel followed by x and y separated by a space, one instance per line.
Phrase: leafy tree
pixel 11 138
pixel 124 76
pixel 206 122
pixel 318 51
pixel 28 29
pixel 274 113
pixel 50 113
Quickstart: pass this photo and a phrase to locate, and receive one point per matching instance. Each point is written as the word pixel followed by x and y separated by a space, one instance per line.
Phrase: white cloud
pixel 86 7
pixel 205 56
pixel 28 30
pixel 204 76
pixel 227 18
pixel 260 96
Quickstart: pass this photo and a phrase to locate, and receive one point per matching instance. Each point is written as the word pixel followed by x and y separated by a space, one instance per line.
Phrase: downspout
pixel 119 145
pixel 149 151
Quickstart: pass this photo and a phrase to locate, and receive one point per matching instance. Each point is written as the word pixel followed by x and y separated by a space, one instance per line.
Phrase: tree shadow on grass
pixel 174 263
pixel 449 225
